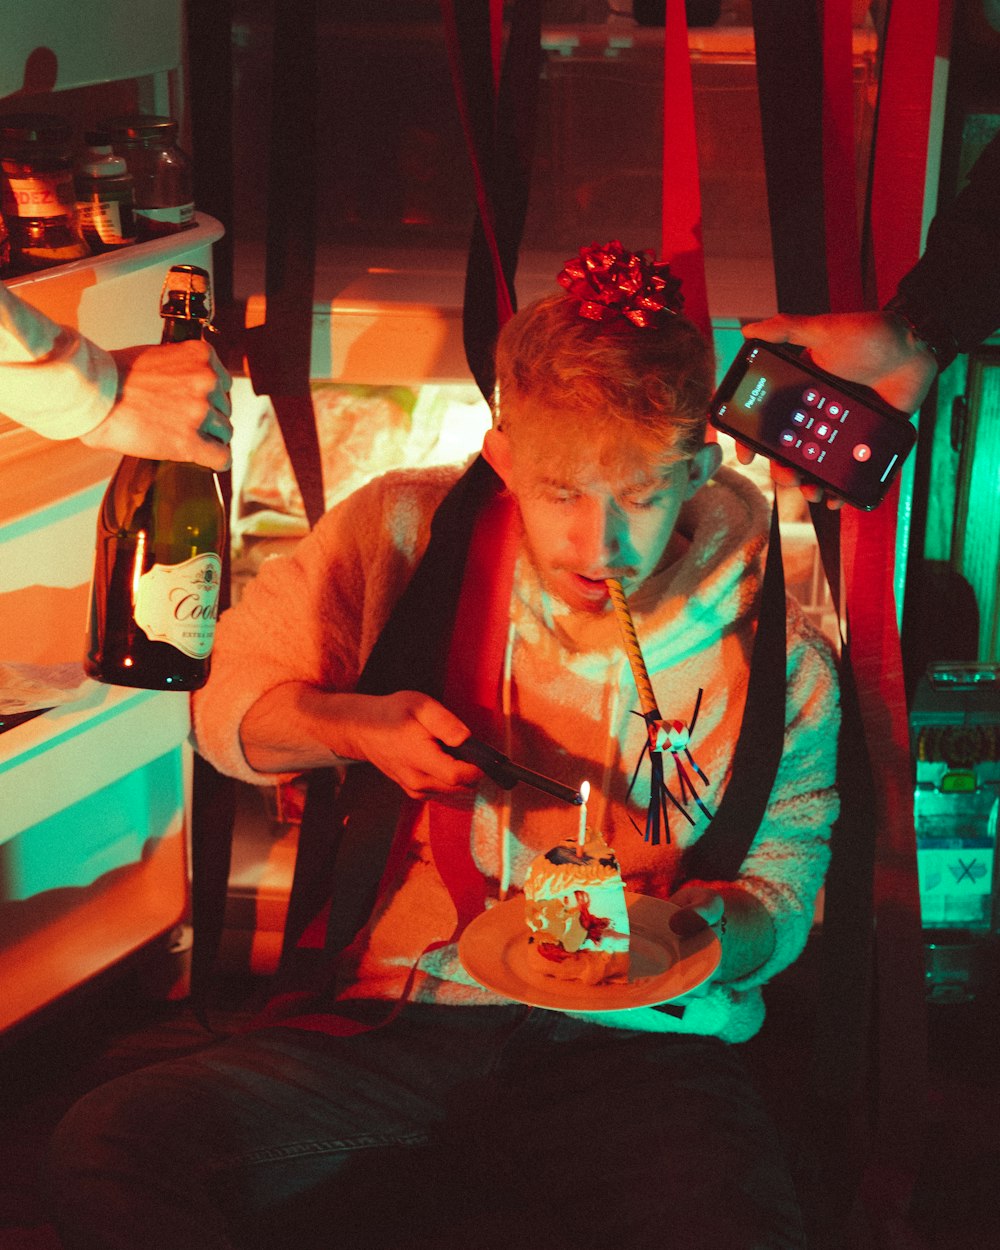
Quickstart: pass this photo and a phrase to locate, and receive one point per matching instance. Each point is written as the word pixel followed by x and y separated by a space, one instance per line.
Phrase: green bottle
pixel 161 532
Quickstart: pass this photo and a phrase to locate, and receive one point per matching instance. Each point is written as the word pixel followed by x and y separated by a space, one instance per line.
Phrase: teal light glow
pixel 108 829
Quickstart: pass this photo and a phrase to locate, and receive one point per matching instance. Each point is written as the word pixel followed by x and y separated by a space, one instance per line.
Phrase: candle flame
pixel 584 795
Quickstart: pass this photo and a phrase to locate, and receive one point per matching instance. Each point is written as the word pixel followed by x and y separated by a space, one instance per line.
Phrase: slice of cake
pixel 575 911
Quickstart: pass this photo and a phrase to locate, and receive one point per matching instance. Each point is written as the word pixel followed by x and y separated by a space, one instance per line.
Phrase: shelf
pixel 94 823
pixel 92 839
pixel 114 298
pixel 87 744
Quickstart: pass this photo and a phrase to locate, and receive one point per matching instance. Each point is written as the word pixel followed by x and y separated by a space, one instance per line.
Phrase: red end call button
pixel 862 452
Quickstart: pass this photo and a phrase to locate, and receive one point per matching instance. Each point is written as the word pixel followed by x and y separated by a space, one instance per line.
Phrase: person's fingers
pixel 224 383
pixel 745 454
pixel 217 425
pixel 221 372
pixel 700 908
pixel 811 493
pixel 211 454
pixel 781 328
pixel 439 722
pixel 784 476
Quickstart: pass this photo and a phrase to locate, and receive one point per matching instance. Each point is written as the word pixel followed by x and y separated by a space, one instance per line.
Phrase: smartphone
pixel 835 433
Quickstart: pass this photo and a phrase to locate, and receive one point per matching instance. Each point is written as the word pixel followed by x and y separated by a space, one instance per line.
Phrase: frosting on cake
pixel 576 913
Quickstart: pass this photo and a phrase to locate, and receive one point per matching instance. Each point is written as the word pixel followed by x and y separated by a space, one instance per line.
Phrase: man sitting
pixel 570 1127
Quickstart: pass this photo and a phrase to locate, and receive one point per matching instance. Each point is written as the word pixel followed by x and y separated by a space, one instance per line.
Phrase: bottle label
pixel 105 220
pixel 154 222
pixel 39 197
pixel 179 603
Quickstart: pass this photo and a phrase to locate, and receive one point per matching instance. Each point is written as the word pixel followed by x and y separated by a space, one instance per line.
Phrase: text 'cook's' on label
pixel 179 603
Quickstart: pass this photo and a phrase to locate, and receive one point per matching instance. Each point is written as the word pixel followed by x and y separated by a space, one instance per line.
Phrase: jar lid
pixel 139 126
pixel 98 160
pixel 41 128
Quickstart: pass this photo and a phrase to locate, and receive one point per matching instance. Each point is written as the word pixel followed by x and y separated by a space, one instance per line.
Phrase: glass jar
pixel 38 199
pixel 161 172
pixel 105 196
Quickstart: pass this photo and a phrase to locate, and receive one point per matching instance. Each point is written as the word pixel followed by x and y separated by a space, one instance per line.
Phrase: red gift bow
pixel 609 281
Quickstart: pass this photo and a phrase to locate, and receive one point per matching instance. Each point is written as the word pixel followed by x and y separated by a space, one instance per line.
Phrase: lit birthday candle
pixel 585 795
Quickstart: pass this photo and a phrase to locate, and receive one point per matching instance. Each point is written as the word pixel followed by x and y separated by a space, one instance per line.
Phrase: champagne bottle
pixel 160 534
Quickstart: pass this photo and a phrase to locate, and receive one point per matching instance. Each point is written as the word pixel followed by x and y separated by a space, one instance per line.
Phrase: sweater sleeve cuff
pixel 64 394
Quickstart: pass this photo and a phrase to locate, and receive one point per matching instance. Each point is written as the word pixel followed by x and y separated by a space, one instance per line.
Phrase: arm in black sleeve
pixel 951 297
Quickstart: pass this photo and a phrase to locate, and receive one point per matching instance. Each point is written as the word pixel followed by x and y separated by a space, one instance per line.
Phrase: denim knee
pixel 125 1168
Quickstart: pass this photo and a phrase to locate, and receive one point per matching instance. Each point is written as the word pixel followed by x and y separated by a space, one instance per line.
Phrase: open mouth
pixel 592 587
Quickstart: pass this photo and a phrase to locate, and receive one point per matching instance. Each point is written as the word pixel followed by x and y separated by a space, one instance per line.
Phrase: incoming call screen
pixel 815 426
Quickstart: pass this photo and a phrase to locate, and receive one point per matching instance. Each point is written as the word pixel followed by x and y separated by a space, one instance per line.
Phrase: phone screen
pixel 805 419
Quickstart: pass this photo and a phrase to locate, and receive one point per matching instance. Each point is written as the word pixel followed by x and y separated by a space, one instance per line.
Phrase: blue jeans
pixel 451 1127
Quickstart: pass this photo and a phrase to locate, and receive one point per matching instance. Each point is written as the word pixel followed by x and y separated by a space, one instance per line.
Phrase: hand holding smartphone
pixel 833 432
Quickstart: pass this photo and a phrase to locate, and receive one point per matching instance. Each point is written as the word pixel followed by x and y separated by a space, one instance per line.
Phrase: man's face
pixel 598 509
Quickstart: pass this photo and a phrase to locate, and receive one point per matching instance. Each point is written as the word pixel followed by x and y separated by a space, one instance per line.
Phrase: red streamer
pixel 505 303
pixel 869 552
pixel 682 242
pixel 905 99
pixel 840 208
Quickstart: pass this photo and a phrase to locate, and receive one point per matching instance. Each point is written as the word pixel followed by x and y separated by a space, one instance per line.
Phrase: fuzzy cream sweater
pixel 314 615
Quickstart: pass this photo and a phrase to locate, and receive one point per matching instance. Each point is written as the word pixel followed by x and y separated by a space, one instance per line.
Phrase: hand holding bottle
pixel 173 404
pixel 161 527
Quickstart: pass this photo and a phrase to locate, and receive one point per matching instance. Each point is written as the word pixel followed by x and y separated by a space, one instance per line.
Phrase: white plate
pixel 494 951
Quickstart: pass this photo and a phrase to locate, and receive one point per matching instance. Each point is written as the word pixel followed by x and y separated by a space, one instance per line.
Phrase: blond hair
pixel 654 382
